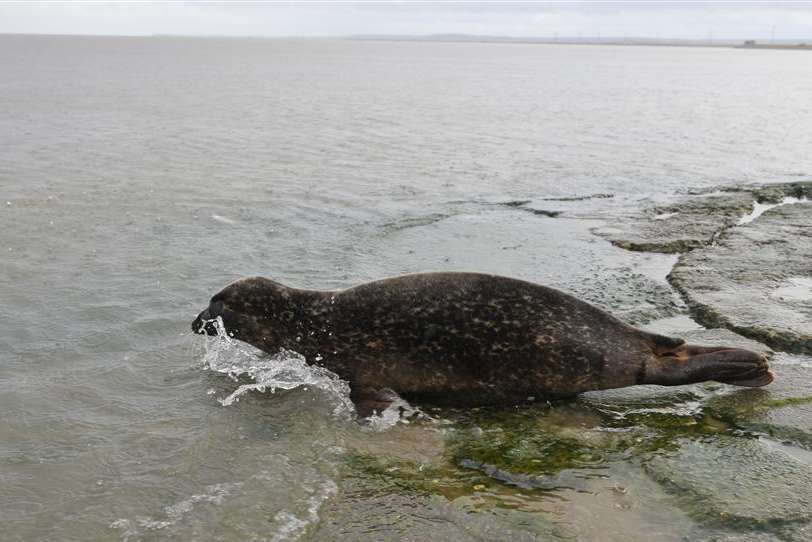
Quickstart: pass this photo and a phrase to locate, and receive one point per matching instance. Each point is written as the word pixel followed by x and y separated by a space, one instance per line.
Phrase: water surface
pixel 140 175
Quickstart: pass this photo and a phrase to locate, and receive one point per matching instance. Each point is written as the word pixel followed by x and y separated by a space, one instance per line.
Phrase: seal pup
pixel 465 339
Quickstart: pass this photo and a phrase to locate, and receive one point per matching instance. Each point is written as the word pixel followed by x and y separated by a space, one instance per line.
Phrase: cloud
pixel 615 19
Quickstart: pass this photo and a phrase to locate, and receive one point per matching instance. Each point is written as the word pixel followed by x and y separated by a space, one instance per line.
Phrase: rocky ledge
pixel 756 279
pixel 694 220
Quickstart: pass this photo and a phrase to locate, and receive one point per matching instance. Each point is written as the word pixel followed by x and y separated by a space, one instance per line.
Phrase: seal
pixel 466 339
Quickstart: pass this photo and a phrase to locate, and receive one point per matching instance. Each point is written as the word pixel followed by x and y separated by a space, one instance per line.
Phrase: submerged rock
pixel 522 206
pixel 782 411
pixel 600 195
pixel 738 484
pixel 701 462
pixel 756 280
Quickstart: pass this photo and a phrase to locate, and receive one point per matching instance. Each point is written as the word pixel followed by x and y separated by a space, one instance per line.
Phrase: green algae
pixel 702 447
pixel 541 447
pixel 789 401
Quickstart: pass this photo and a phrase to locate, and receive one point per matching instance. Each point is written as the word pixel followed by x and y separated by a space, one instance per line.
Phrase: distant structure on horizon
pixel 753 44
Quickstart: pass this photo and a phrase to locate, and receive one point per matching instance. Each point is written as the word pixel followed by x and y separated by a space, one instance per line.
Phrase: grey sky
pixel 691 20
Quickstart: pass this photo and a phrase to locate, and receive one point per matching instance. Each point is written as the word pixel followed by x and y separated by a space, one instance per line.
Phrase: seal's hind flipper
pixel 691 363
pixel 369 401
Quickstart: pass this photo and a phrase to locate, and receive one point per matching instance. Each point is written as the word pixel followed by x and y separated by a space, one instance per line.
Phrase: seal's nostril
pixel 200 321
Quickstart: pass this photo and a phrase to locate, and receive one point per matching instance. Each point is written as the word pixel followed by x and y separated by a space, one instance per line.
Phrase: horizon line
pixel 427 37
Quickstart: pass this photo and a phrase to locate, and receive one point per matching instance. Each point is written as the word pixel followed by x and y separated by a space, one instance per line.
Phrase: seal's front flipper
pixel 370 401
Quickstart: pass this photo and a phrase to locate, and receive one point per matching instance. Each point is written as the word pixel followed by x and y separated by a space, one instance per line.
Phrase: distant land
pixel 801 44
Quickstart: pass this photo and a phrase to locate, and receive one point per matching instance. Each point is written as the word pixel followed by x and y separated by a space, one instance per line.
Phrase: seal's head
pixel 255 310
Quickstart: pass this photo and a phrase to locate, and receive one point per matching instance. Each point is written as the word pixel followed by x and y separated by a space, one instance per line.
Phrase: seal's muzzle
pixel 204 323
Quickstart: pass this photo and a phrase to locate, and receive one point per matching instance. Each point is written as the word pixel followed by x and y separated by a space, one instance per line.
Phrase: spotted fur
pixel 465 339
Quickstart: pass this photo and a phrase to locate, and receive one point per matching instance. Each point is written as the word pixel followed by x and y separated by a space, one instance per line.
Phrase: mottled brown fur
pixel 466 339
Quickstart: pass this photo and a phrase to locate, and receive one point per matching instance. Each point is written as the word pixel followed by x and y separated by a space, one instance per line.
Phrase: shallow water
pixel 138 176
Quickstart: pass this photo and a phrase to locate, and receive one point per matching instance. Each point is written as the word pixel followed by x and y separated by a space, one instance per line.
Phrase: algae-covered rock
pixel 375 505
pixel 638 463
pixel 562 470
pixel 756 280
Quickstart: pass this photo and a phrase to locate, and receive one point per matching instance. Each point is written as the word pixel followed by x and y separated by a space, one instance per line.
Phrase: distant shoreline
pixel 794 44
pixel 798 44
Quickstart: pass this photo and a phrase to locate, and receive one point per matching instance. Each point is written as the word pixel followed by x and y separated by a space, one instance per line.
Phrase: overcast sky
pixel 692 20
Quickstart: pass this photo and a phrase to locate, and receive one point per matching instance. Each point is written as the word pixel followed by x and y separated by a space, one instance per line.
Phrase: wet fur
pixel 467 339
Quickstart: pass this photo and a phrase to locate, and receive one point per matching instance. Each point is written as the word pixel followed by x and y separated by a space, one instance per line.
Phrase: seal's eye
pixel 215 309
pixel 286 316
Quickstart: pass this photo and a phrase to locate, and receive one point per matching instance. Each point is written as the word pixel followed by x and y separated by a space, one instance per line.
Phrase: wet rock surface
pixel 775 193
pixel 756 279
pixel 694 220
pixel 686 224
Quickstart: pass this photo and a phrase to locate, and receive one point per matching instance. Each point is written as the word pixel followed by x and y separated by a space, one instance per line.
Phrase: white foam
pixel 665 216
pixel 291 526
pixel 797 289
pixel 760 208
pixel 213 494
pixel 224 220
pixel 285 370
pixel 398 411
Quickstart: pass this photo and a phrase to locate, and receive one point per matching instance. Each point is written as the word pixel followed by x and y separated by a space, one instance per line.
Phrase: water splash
pixel 284 370
pixel 287 370
pixel 761 208
pixel 398 411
